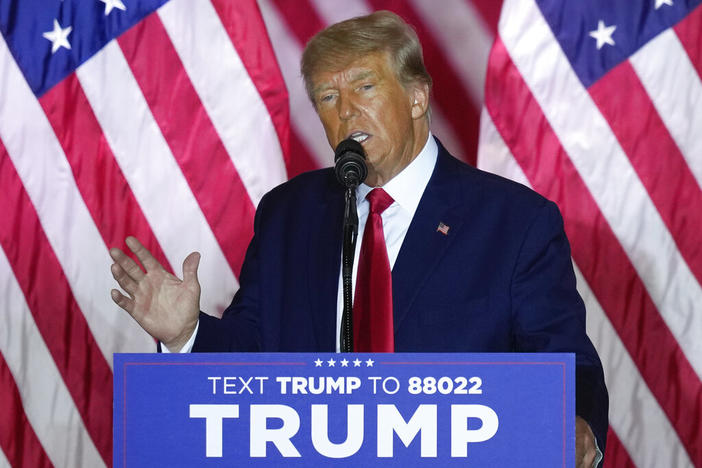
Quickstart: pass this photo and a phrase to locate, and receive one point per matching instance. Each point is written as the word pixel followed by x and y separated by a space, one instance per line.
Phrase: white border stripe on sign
pixel 46 400
pixel 676 92
pixel 304 120
pixel 650 443
pixel 606 171
pixel 634 414
pixel 153 174
pixel 458 28
pixel 237 112
pixel 48 180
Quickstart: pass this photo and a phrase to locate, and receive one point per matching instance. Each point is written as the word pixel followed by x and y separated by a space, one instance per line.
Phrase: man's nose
pixel 347 105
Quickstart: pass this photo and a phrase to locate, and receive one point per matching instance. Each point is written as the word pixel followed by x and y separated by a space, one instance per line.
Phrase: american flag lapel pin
pixel 443 229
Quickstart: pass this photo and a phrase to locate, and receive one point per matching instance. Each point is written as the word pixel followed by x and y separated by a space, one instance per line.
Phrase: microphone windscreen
pixel 349 145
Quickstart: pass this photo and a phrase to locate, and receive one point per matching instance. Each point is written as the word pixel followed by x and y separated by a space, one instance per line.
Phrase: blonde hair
pixel 335 47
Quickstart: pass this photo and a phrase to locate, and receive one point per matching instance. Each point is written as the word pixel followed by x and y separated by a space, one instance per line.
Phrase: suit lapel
pixel 325 259
pixel 424 245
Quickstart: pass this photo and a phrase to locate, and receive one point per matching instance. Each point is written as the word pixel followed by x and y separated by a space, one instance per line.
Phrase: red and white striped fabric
pixel 154 138
pixel 620 152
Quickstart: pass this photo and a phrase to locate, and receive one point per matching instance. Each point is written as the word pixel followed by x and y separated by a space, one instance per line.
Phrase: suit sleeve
pixel 549 315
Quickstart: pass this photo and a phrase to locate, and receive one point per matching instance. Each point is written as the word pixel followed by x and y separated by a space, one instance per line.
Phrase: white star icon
pixel 344 363
pixel 331 362
pixel 369 363
pixel 110 4
pixel 318 363
pixel 356 362
pixel 58 37
pixel 660 3
pixel 603 34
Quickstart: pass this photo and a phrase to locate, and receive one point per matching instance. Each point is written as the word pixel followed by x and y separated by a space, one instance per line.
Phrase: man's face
pixel 366 101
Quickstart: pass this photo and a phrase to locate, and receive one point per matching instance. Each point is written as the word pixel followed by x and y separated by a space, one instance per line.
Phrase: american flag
pixel 170 120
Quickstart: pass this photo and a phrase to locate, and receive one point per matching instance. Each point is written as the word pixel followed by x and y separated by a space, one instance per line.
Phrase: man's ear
pixel 420 100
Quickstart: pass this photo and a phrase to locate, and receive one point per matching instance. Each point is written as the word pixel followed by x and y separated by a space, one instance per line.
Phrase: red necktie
pixel 372 307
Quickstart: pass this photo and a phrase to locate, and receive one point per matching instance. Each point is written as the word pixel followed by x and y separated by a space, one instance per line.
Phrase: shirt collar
pixel 407 187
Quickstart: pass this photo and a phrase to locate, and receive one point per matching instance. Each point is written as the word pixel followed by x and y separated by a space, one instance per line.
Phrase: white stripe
pixel 153 174
pixel 494 155
pixel 46 400
pixel 676 92
pixel 304 119
pixel 465 39
pixel 47 177
pixel 230 97
pixel 4 463
pixel 606 171
pixel 634 413
pixel 333 12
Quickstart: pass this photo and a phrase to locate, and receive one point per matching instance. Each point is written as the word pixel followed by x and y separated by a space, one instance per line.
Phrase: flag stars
pixel 331 362
pixel 603 34
pixel 318 363
pixel 344 362
pixel 111 4
pixel 660 3
pixel 58 37
pixel 356 362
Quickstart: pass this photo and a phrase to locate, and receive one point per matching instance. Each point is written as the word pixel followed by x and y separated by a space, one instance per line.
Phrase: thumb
pixel 190 265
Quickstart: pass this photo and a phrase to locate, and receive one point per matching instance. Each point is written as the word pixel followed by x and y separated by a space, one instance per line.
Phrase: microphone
pixel 350 163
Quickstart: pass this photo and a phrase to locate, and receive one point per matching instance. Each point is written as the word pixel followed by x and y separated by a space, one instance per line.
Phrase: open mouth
pixel 359 136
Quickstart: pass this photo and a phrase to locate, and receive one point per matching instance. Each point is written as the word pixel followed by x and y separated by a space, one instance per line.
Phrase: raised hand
pixel 165 306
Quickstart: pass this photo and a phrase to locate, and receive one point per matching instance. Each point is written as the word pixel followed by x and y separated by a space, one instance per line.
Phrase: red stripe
pixel 490 12
pixel 596 249
pixel 689 31
pixel 56 313
pixel 616 455
pixel 654 155
pixel 300 159
pixel 191 136
pixel 256 53
pixel 18 441
pixel 99 178
pixel 449 91
pixel 301 18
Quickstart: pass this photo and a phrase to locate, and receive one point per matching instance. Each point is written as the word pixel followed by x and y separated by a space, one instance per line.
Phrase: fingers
pixel 122 301
pixel 123 279
pixel 143 254
pixel 190 265
pixel 128 265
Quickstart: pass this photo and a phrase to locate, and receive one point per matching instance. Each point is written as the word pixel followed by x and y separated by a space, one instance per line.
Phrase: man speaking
pixel 449 258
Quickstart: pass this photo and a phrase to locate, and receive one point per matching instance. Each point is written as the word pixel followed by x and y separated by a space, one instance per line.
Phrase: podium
pixel 356 409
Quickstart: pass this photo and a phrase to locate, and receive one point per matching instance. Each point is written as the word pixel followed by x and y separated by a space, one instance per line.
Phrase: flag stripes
pixel 17 438
pixel 99 179
pixel 40 386
pixel 596 250
pixel 184 123
pixel 680 208
pixel 676 92
pixel 616 159
pixel 55 310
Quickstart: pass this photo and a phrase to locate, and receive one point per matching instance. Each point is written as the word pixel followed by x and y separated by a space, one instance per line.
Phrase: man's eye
pixel 366 87
pixel 327 98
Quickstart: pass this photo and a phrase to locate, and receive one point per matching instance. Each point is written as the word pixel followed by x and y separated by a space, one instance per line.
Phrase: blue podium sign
pixel 292 409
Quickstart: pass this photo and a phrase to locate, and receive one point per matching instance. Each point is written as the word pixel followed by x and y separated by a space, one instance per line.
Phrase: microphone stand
pixel 348 249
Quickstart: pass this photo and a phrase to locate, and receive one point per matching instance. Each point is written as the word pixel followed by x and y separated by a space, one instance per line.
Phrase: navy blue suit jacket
pixel 500 280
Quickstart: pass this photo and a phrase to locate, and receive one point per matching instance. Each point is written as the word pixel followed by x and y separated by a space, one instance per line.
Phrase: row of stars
pixel 344 363
pixel 59 36
pixel 603 33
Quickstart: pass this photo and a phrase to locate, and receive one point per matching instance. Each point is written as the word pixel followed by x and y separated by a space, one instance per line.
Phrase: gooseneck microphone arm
pixel 351 171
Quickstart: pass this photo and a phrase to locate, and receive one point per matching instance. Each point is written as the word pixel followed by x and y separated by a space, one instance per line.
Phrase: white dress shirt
pixel 406 188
